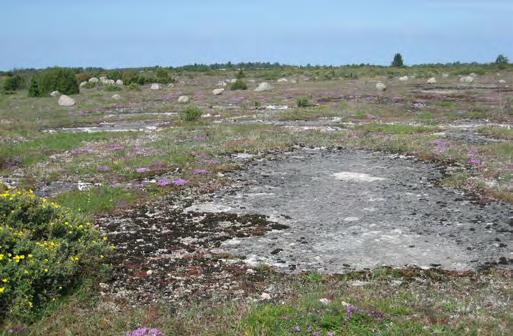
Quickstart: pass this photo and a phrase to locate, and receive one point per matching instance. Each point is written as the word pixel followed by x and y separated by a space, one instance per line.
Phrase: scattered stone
pixel 445 75
pixel 184 99
pixel 380 86
pixel 403 78
pixel 116 97
pixel 243 156
pixel 263 87
pixel 66 101
pixel 119 82
pixel 221 83
pixel 356 177
pixel 502 81
pixel 282 80
pixel 170 85
pixel 265 296
pixel 466 79
pixel 432 80
pixel 55 93
pixel 93 80
pixel 217 92
pixel 325 301
pixel 155 86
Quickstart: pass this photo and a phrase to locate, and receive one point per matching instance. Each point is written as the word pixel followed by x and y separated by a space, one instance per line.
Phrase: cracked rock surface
pixel 352 210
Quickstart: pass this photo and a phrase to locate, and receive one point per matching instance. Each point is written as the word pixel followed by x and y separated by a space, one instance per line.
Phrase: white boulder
pixel 116 97
pixel 403 79
pixel 184 99
pixel 445 75
pixel 217 92
pixel 55 93
pixel 432 80
pixel 263 87
pixel 466 79
pixel 380 86
pixel 282 80
pixel 66 101
pixel 82 84
pixel 502 81
pixel 221 83
pixel 119 82
pixel 93 80
pixel 155 86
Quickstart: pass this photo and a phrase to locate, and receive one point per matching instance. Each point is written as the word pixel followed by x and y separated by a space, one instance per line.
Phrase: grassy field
pixel 382 302
pixel 466 128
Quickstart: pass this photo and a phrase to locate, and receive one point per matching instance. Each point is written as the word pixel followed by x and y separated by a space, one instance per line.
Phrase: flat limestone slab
pixel 355 210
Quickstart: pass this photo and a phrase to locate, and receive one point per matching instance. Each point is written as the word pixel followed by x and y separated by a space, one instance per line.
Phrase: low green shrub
pixel 12 83
pixel 53 79
pixel 112 88
pixel 241 74
pixel 89 85
pixel 134 86
pixel 239 84
pixel 191 113
pixel 45 250
pixel 303 102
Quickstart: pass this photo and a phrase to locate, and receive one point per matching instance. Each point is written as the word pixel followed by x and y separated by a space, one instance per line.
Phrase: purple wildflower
pixel 145 332
pixel 474 161
pixel 19 329
pixel 201 138
pixel 180 182
pixel 164 182
pixel 350 310
pixel 199 171
pixel 115 147
pixel 141 170
pixel 440 145
pixel 102 168
pixel 474 158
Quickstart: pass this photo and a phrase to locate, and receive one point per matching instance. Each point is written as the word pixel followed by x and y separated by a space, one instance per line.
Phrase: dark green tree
pixel 398 60
pixel 13 83
pixel 34 88
pixel 60 79
pixel 241 74
pixel 239 85
pixel 501 59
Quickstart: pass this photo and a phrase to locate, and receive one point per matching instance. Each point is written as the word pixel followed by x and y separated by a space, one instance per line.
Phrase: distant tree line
pixel 67 80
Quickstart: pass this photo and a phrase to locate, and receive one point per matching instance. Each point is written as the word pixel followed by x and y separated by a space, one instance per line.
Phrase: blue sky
pixel 125 33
